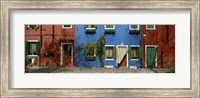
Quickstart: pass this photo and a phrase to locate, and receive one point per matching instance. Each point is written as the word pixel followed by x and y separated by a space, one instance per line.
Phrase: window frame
pixel 109 28
pixel 66 27
pixel 31 41
pixel 32 28
pixel 150 28
pixel 133 46
pixel 91 28
pixel 113 46
pixel 133 28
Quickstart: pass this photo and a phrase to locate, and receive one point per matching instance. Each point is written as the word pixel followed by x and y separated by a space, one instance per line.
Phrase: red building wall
pixel 164 37
pixel 52 37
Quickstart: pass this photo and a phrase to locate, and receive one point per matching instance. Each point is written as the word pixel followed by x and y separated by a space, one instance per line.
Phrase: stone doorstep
pixel 133 67
pixel 108 66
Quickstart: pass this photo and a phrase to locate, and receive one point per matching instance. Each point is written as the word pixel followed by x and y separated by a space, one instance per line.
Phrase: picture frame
pixel 8 5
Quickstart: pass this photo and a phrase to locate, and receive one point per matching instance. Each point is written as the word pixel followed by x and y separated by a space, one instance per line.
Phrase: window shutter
pixel 114 49
pixel 27 48
pixel 38 48
pixel 129 53
pixel 140 52
pixel 104 52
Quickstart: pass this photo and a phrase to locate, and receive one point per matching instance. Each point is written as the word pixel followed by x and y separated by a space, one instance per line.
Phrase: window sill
pixel 90 28
pixel 150 29
pixel 109 59
pixel 134 59
pixel 109 28
pixel 32 55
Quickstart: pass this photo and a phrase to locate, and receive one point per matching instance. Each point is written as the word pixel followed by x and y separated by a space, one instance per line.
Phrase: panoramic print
pixel 101 48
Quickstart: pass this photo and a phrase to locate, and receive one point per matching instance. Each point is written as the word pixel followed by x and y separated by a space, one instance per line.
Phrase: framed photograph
pixel 97 48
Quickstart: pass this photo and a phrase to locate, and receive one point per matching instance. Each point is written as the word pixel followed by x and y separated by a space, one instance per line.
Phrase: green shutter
pixel 114 49
pixel 140 52
pixel 104 52
pixel 27 48
pixel 151 56
pixel 129 53
pixel 38 48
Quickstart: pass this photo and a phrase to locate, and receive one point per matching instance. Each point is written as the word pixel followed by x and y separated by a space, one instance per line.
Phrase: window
pixel 32 48
pixel 90 26
pixel 67 26
pixel 109 26
pixel 150 27
pixel 134 27
pixel 90 29
pixel 110 52
pixel 67 50
pixel 134 52
pixel 109 29
pixel 32 26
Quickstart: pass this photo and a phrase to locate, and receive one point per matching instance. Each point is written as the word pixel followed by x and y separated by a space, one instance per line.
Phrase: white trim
pixel 113 48
pixel 61 56
pixel 32 40
pixel 151 28
pixel 126 54
pixel 94 52
pixel 146 46
pixel 29 41
pixel 108 66
pixel 135 46
pixel 32 55
pixel 134 28
pixel 90 28
pixel 30 27
pixel 109 45
pixel 66 27
pixel 134 59
pixel 109 28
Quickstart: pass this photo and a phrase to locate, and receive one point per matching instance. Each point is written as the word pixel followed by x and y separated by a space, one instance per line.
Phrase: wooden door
pixel 151 56
pixel 67 54
pixel 122 56
pixel 123 63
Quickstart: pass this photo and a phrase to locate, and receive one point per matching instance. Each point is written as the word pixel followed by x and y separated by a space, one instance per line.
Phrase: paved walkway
pixel 89 70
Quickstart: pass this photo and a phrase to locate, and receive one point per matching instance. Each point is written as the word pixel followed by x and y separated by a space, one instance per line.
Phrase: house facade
pixel 158 45
pixel 50 45
pixel 126 46
pixel 122 46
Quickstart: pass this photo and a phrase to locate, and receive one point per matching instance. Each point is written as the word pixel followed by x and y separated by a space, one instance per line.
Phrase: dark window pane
pixel 68 26
pixel 32 26
pixel 67 50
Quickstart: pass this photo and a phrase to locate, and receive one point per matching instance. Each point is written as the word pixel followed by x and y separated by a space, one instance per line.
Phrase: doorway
pixel 66 54
pixel 122 53
pixel 151 56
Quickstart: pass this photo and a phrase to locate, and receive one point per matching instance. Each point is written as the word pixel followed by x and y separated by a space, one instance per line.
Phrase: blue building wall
pixel 120 37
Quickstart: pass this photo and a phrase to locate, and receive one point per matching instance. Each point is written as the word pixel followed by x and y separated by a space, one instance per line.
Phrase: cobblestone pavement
pixel 90 70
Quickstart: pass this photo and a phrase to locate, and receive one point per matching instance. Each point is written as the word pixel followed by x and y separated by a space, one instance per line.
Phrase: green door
pixel 151 56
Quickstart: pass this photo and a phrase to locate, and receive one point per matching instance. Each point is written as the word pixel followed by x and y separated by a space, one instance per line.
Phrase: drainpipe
pixel 40 43
pixel 143 46
pixel 53 37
